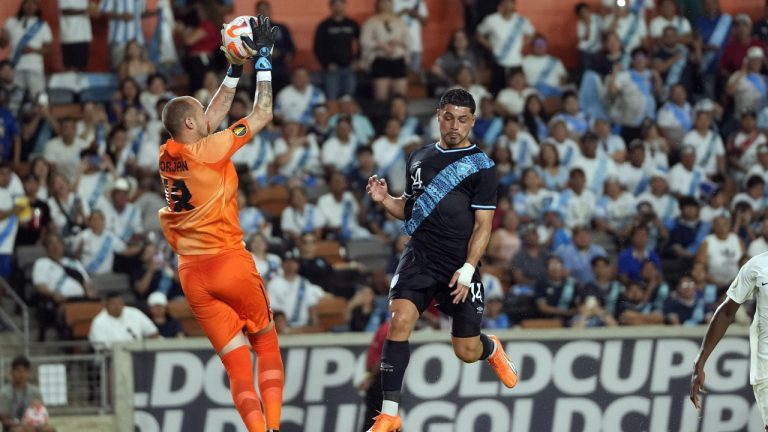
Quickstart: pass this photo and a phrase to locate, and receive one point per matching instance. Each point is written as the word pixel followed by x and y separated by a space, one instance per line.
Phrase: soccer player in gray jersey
pixel 447 206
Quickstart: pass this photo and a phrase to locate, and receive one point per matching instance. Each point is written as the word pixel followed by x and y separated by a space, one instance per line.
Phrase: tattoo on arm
pixel 264 96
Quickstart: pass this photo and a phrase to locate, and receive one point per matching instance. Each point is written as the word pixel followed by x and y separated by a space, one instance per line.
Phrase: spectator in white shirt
pixel 64 150
pixel 414 14
pixel 710 152
pixel 466 78
pixel 294 295
pixel 30 40
pixel 635 172
pixel 589 32
pixel 10 211
pixel 118 323
pixel 389 153
pixel 68 210
pixel 628 24
pixel 664 204
pixel 96 177
pixel 300 217
pixel 341 210
pixel 686 177
pixel 656 147
pixel 97 247
pixel 269 265
pixel 123 217
pixel 575 119
pixel 760 244
pixel 748 86
pixel 597 166
pixel 742 149
pixel 668 18
pixel 124 25
pixel 761 167
pixel 297 100
pixel 339 150
pixel 75 33
pixel 567 149
pixel 545 72
pixel 615 209
pixel 360 123
pixel 608 142
pixel 511 99
pixel 675 117
pixel 505 33
pixel 577 203
pixel 523 148
pixel 57 277
pixel 631 94
pixel 296 153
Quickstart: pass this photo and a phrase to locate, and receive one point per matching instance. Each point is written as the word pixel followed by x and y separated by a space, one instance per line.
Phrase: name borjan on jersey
pixel 174 166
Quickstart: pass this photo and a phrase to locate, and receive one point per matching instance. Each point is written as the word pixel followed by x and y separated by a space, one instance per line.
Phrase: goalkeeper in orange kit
pixel 218 275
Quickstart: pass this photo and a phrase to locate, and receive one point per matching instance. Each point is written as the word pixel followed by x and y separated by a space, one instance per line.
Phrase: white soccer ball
pixel 233 32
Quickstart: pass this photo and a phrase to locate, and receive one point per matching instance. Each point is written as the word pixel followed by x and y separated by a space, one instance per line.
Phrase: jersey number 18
pixel 177 195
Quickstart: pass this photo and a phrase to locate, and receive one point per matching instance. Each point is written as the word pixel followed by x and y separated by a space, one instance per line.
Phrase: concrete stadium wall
pixel 554 18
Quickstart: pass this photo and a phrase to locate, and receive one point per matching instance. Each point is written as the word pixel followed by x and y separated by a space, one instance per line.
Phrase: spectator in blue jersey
pixel 284 49
pixel 635 254
pixel 687 233
pixel 685 308
pixel 296 101
pixel 578 255
pixel 124 25
pixel 605 288
pixel 10 133
pixel 488 125
pixel 335 48
pixel 674 61
pixel 714 28
pixel 29 38
pixel 675 117
pixel 556 292
pixel 633 307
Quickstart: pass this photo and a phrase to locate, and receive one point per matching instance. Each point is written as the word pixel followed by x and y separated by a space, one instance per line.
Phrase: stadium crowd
pixel 630 188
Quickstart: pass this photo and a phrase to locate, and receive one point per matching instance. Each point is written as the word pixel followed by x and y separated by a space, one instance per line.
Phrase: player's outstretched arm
pixel 721 320
pixel 219 106
pixel 377 189
pixel 260 47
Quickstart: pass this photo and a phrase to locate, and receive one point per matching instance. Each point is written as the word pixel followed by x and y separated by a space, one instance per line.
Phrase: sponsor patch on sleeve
pixel 239 130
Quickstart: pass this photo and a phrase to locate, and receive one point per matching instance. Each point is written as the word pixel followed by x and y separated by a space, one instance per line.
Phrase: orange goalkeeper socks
pixel 270 375
pixel 240 371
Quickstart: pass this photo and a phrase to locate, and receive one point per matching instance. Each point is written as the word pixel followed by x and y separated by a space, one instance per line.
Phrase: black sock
pixel 488 346
pixel 394 360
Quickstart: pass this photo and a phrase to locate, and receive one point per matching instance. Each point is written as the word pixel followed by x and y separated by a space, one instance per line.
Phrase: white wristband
pixel 264 76
pixel 465 274
pixel 230 82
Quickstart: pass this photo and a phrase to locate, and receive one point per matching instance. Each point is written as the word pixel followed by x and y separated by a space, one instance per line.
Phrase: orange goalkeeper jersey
pixel 200 185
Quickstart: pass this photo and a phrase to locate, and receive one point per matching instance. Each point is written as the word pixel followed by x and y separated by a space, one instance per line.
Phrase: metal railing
pixel 74 379
pixel 8 319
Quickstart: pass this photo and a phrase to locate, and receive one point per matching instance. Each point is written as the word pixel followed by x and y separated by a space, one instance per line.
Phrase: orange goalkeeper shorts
pixel 226 294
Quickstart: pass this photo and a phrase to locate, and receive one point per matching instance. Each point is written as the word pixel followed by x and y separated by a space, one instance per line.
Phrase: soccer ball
pixel 236 28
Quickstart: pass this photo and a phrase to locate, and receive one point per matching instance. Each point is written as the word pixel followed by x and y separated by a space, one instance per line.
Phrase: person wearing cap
pixel 123 217
pixel 294 294
pixel 545 72
pixel 119 323
pixel 664 204
pixel 742 148
pixel 167 326
pixel 631 94
pixel 668 17
pixel 297 100
pixel 596 166
pixel 297 155
pixel 710 151
pixel 627 19
pixel 686 177
pixel 675 117
pixel 736 49
pixel 748 86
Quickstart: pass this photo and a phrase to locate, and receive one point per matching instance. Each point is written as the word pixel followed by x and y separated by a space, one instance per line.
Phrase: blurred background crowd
pixel 631 187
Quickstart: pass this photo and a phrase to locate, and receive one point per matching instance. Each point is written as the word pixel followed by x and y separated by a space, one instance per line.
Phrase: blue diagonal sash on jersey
pixel 104 250
pixel 303 159
pixel 701 233
pixel 409 128
pixel 718 38
pixel 681 116
pixel 631 30
pixel 541 85
pixel 25 40
pixel 637 6
pixel 758 82
pixel 522 157
pixel 675 72
pixel 306 116
pixel 10 224
pixel 613 296
pixel 577 124
pixel 98 189
pixel 101 138
pixel 567 295
pixel 299 300
pixel 509 42
pixel 710 150
pixel 493 131
pixel 667 218
pixel 128 231
pixel 443 183
pixel 695 183
pixel 541 128
pixel 642 185
pixel 346 220
pixel 154 44
pixel 260 156
pixel 599 175
pixel 388 167
pixel 567 158
pixel 644 85
pixel 309 220
pixel 697 317
pixel 589 95
pixel 136 145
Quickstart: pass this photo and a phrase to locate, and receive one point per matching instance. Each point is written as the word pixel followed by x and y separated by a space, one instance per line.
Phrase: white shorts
pixel 761 397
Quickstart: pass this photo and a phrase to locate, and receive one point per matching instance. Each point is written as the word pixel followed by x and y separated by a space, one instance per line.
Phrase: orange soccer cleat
pixel 386 423
pixel 502 364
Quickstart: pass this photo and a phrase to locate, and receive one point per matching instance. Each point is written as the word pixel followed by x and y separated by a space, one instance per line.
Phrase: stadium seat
pixel 97 87
pixel 180 310
pixel 111 282
pixel 273 200
pixel 59 96
pixel 67 110
pixel 27 255
pixel 541 323
pixel 372 252
pixel 78 316
pixel 330 250
pixel 331 312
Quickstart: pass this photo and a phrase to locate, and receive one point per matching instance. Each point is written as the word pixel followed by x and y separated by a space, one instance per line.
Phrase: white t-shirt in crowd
pixel 390 160
pixel 523 149
pixel 659 23
pixel 414 25
pixel 590 43
pixel 8 226
pixel 506 37
pixel 665 206
pixel 293 221
pixel 758 246
pixel 284 296
pixel 17 28
pixel 75 28
pixel 257 155
pixel 625 25
pixel 684 182
pixel 513 100
pixel 132 325
pixel 304 160
pixel 708 148
pixel 333 213
pixel 65 157
pixel 534 67
pixel 338 154
pixel 48 272
pixel 98 250
pixel 297 105
pixel 126 223
pixel 723 257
